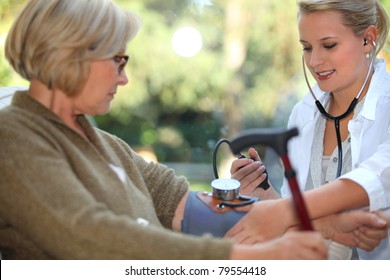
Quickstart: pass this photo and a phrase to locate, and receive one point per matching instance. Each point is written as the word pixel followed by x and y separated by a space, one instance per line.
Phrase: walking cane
pixel 277 139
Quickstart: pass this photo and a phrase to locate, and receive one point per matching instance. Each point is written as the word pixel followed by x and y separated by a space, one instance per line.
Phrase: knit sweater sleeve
pixel 166 189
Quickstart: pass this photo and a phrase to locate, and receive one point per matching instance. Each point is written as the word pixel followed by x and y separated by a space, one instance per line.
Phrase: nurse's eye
pixel 307 49
pixel 330 46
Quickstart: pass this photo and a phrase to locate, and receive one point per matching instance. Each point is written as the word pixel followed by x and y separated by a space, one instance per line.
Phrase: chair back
pixel 6 94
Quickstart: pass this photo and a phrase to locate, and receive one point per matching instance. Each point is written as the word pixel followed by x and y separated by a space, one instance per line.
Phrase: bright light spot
pixel 187 41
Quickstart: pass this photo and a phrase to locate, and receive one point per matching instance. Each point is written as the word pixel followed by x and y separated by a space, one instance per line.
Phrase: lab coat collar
pixel 375 90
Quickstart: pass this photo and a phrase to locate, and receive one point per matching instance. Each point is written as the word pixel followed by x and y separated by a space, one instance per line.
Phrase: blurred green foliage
pixel 8 10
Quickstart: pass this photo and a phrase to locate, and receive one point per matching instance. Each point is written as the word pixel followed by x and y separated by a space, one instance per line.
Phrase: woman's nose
pixel 315 59
pixel 123 80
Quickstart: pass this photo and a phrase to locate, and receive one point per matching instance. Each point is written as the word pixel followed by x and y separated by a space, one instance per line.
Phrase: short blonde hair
pixel 357 14
pixel 54 41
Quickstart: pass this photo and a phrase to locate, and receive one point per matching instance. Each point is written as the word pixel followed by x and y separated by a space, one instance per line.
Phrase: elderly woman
pixel 71 191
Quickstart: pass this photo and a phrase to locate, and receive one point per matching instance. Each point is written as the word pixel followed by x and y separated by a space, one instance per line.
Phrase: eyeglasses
pixel 121 60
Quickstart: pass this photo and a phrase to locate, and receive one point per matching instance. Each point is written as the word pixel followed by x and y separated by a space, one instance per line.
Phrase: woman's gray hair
pixel 357 14
pixel 54 41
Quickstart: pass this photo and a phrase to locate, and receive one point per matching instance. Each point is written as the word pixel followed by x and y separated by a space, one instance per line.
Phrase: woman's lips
pixel 325 75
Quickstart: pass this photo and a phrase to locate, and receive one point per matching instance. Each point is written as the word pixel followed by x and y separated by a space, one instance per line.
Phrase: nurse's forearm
pixel 337 196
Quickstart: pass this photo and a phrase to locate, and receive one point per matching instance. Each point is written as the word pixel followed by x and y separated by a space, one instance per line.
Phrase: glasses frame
pixel 121 59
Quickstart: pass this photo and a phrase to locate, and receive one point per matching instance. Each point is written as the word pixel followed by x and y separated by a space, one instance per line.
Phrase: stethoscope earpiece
pixel 366 43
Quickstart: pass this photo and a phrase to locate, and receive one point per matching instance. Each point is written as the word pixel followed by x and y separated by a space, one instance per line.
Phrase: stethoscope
pixel 350 109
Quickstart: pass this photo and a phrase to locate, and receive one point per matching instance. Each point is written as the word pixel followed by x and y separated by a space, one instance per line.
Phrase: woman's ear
pixel 370 36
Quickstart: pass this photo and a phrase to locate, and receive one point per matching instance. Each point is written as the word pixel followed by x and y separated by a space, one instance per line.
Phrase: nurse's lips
pixel 325 75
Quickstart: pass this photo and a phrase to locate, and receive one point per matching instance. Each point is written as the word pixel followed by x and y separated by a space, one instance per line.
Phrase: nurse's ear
pixel 370 36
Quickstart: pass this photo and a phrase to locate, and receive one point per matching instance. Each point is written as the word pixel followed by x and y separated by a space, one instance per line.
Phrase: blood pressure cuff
pixel 200 219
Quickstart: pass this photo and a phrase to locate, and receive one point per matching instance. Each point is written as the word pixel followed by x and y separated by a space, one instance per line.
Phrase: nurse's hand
pixel 250 172
pixel 265 220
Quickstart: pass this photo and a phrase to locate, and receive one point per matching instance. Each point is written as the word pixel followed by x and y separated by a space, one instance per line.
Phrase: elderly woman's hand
pixel 290 246
pixel 357 228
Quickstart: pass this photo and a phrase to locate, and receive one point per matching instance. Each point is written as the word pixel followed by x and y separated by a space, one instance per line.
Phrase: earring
pixel 365 42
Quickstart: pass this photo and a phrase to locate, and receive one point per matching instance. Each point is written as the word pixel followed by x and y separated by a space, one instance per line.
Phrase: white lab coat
pixel 370 146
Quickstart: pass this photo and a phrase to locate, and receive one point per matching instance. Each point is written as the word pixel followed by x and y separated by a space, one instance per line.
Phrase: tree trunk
pixel 235 44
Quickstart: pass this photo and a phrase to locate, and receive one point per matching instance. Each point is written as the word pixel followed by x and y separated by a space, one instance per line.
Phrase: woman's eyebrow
pixel 323 39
